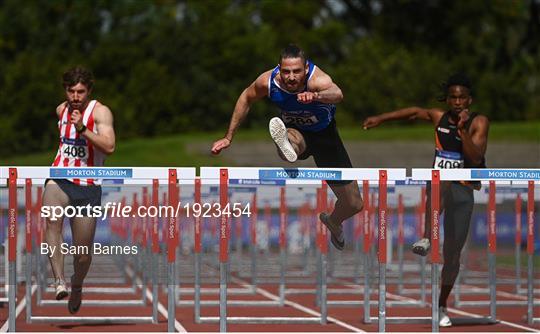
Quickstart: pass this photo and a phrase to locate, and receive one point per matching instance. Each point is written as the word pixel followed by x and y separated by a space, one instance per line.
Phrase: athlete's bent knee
pixel 54 225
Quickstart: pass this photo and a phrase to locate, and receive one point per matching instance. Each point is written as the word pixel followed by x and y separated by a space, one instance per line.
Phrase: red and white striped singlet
pixel 75 150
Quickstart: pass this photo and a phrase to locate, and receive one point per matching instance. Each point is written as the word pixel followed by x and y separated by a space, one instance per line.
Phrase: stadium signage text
pixel 92 172
pixel 300 174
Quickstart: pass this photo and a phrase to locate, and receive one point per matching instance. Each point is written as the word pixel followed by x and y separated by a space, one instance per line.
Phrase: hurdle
pixel 308 216
pixel 36 229
pixel 385 177
pixel 491 258
pixel 10 174
pixel 422 175
pixel 222 176
pixel 22 176
pixel 478 277
pixel 88 302
pixel 530 251
pixel 273 268
pixel 420 218
pixel 4 286
pixel 214 175
pixel 518 209
pixel 291 176
pixel 198 291
pixel 98 264
pixel 493 175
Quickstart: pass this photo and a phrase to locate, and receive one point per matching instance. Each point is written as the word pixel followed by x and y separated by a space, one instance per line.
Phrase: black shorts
pixel 326 148
pixel 79 195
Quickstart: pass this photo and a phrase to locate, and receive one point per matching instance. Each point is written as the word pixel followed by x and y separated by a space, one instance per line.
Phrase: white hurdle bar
pixel 33 220
pixel 531 176
pixel 314 176
pixel 17 176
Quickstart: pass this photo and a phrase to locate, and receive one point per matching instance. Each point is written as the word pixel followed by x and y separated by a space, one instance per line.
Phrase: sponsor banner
pixel 508 174
pixel 305 174
pixel 94 173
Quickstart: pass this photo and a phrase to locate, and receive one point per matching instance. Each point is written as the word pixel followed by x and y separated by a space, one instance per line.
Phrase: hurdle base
pixel 263 320
pixel 92 320
pixel 348 303
pixel 404 320
pixel 104 290
pixel 503 303
pixel 427 320
pixel 98 303
pixel 215 291
pixel 236 303
pixel 330 291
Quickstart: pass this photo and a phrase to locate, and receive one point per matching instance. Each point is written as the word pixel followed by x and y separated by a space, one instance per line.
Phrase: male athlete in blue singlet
pixel 306 97
pixel 460 142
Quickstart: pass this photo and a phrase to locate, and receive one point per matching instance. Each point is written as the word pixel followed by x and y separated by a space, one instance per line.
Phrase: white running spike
pixel 278 132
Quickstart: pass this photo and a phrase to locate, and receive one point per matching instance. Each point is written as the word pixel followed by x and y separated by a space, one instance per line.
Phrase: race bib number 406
pixel 447 159
pixel 74 149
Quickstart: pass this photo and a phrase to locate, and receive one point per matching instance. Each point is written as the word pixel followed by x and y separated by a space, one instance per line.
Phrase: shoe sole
pixel 278 132
pixel 61 295
pixel 74 309
pixel 420 251
pixel 339 246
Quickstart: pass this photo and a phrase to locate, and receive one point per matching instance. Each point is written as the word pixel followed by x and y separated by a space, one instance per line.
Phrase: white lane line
pixel 511 324
pixel 505 294
pixel 18 310
pixel 456 311
pixel 161 308
pixel 297 306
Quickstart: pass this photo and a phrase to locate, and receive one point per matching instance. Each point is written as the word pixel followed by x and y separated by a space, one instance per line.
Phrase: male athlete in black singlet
pixel 460 142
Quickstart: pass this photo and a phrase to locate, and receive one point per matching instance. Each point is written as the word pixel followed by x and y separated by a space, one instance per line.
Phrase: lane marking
pixel 177 325
pixel 297 306
pixel 456 311
pixel 18 310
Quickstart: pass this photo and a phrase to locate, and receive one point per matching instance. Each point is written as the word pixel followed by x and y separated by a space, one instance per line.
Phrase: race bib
pixel 300 119
pixel 448 160
pixel 74 148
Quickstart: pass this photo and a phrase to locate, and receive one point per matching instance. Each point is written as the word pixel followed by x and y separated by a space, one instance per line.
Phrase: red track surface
pixel 351 316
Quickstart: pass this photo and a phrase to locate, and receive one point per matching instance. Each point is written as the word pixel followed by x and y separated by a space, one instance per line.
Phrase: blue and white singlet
pixel 314 116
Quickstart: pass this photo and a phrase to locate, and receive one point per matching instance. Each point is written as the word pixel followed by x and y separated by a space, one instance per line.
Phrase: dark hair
pixel 456 79
pixel 292 51
pixel 77 75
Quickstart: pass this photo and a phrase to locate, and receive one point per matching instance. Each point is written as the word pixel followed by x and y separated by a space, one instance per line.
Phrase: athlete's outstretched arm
pixel 411 113
pixel 104 140
pixel 254 92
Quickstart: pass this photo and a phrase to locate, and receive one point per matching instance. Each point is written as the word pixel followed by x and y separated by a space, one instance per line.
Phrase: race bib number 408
pixel 74 149
pixel 447 160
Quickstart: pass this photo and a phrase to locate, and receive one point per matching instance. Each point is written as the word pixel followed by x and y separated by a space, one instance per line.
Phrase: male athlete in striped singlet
pixel 460 142
pixel 86 137
pixel 306 97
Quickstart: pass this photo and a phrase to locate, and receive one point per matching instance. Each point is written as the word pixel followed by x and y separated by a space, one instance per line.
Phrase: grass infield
pixel 171 150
